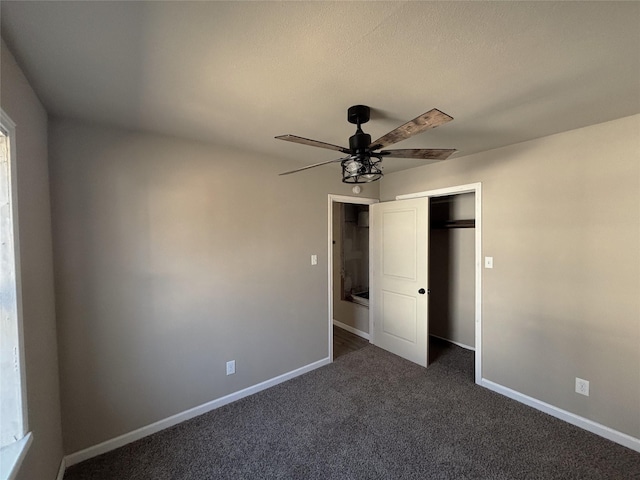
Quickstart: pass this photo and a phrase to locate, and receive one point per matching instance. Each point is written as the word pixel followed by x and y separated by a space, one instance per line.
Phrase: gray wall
pixel 171 258
pixel 21 104
pixel 561 218
pixel 452 271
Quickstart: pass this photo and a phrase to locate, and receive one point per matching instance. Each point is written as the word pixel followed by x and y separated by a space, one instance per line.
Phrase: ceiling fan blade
pixel 312 166
pixel 431 119
pixel 421 153
pixel 312 143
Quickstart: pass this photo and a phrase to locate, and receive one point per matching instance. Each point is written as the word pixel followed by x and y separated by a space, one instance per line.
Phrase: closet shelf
pixel 455 224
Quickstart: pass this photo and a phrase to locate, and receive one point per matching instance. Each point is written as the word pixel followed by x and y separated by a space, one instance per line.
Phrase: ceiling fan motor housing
pixel 359 143
pixel 359 168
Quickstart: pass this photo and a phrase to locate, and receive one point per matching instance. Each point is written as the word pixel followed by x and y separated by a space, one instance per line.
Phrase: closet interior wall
pixel 452 269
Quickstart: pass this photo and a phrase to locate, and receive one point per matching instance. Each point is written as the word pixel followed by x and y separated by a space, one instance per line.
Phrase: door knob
pixel 421 291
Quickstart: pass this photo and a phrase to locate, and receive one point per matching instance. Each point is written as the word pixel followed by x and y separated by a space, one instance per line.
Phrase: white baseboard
pixel 584 423
pixel 104 447
pixel 349 328
pixel 142 432
pixel 466 347
pixel 61 470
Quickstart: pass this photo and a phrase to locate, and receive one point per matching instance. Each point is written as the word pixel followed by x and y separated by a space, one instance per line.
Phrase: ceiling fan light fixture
pixel 364 178
pixel 363 170
pixel 352 166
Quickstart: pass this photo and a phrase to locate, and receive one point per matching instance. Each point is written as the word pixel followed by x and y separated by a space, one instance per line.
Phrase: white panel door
pixel 398 287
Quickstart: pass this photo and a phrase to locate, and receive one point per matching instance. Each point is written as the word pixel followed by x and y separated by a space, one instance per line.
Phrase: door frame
pixel 331 200
pixel 475 188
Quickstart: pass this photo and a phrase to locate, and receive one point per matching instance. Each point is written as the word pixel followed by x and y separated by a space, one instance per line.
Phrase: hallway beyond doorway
pixel 346 342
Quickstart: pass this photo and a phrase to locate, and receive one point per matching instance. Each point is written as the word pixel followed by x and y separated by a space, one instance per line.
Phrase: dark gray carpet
pixel 371 415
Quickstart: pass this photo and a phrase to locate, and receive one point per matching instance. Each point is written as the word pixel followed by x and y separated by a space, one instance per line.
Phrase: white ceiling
pixel 240 73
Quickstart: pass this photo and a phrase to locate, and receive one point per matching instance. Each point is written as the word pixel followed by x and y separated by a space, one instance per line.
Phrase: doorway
pixel 348 248
pixel 476 206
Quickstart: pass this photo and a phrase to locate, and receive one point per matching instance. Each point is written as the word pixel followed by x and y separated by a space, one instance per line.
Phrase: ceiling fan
pixel 363 161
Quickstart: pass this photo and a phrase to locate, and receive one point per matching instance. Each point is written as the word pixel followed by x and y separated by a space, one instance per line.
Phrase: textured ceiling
pixel 240 73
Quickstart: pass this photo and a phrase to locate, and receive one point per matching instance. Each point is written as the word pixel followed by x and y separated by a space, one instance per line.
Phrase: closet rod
pixel 455 224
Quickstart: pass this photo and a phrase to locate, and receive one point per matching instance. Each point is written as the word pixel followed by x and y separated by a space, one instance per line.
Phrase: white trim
pixel 155 427
pixel 584 423
pixel 354 200
pixel 441 192
pixel 475 188
pixel 478 294
pixel 331 200
pixel 6 120
pixel 9 125
pixel 462 345
pixel 12 455
pixel 61 470
pixel 104 447
pixel 349 328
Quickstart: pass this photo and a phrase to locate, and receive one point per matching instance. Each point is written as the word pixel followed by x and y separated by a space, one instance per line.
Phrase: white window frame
pixel 12 455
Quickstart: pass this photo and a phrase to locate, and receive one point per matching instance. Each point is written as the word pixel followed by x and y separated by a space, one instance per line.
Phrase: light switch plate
pixel 231 367
pixel 488 262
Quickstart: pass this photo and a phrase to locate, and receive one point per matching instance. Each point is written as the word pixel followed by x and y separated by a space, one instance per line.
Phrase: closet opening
pixel 452 270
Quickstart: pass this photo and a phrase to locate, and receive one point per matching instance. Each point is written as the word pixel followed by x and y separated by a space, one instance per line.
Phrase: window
pixel 14 439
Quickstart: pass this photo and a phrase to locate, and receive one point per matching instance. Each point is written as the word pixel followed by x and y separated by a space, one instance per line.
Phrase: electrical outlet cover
pixel 582 386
